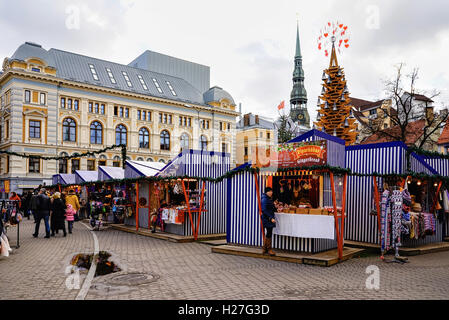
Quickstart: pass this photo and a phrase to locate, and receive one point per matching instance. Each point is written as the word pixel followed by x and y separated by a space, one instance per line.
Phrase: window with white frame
pixel 93 71
pixel 158 87
pixel 128 82
pixel 111 75
pixel 142 82
pixel 171 88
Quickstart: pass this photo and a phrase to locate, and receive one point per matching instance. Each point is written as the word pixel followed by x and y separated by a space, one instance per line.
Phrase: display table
pixel 305 226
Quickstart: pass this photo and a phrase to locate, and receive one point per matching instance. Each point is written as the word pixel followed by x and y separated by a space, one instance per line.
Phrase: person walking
pixel 15 197
pixel 268 221
pixel 72 199
pixel 70 216
pixel 43 212
pixel 34 204
pixel 58 209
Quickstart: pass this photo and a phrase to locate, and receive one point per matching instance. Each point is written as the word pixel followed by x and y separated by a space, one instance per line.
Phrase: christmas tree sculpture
pixel 335 114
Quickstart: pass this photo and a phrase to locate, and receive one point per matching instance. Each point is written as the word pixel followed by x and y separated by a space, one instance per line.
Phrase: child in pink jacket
pixel 70 216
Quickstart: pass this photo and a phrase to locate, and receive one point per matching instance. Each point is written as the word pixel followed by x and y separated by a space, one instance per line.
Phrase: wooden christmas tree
pixel 335 114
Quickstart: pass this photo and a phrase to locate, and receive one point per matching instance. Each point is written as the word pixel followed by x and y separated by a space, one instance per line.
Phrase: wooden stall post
pixel 188 206
pixel 343 207
pixel 149 204
pixel 137 206
pixel 256 178
pixel 201 209
pixel 434 205
pixel 377 199
pixel 334 201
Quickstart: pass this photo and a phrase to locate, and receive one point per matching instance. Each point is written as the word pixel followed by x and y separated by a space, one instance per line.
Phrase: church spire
pixel 298 96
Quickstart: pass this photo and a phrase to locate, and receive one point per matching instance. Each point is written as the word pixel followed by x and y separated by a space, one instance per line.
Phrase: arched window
pixel 150 160
pixel 96 133
pixel 140 159
pixel 120 134
pixel 162 160
pixel 165 140
pixel 116 161
pixel 144 138
pixel 203 143
pixel 184 141
pixel 69 130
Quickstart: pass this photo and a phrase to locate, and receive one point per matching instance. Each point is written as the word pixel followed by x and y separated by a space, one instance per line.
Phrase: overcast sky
pixel 249 45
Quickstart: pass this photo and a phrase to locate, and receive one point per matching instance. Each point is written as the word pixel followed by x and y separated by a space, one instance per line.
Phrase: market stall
pixel 110 173
pixel 375 199
pixel 82 176
pixel 310 202
pixel 63 178
pixel 205 212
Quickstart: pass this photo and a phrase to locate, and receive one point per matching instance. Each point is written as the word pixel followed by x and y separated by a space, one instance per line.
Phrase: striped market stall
pixel 191 163
pixel 244 225
pixel 382 158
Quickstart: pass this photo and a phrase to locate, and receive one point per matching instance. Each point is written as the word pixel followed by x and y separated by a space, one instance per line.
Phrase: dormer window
pixel 111 76
pixel 93 71
pixel 171 88
pixel 158 87
pixel 128 82
pixel 142 82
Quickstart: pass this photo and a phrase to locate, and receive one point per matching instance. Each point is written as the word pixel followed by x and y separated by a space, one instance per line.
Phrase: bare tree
pixel 404 112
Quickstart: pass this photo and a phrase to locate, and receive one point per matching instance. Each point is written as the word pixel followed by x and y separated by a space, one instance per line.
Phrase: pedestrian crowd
pixel 53 208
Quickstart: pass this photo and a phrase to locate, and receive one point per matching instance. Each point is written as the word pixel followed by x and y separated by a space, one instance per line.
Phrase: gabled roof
pixel 414 131
pixel 444 137
pixel 420 97
pixel 357 103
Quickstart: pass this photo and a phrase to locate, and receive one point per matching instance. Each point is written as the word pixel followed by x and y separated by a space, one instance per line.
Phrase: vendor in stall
pixel 268 220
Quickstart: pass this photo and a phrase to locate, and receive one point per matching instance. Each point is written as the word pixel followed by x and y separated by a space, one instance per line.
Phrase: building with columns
pixel 57 103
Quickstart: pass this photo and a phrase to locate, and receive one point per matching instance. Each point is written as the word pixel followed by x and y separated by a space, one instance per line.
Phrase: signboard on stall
pixel 290 155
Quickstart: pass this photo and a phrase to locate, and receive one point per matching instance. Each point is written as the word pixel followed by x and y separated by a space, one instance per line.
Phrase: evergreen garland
pixel 430 154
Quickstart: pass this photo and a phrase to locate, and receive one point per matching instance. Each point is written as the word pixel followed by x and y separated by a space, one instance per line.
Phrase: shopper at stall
pixel 43 212
pixel 15 197
pixel 268 221
pixel 70 217
pixel 57 214
pixel 72 199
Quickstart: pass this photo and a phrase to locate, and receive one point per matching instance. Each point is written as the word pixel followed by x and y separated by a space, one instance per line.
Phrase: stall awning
pixel 110 173
pixel 135 169
pixel 85 176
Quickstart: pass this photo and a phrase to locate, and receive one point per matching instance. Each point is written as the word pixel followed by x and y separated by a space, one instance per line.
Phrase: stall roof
pixel 112 172
pixel 67 178
pixel 317 133
pixel 146 168
pixel 87 176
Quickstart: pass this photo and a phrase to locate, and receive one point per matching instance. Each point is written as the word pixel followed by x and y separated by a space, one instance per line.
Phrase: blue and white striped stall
pixel 243 226
pixel 382 158
pixel 192 163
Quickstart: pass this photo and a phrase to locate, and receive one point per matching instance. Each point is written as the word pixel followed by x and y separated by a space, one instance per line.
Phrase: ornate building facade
pixel 57 103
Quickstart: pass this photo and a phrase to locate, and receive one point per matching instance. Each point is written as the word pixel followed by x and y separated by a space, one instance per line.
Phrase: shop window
pixel 144 138
pixel 90 165
pixel 120 134
pixel 165 140
pixel 34 165
pixel 96 133
pixel 69 130
pixel 34 129
pixel 75 165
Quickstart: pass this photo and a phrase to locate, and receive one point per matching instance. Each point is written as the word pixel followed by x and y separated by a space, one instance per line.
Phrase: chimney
pixel 257 119
pixel 246 120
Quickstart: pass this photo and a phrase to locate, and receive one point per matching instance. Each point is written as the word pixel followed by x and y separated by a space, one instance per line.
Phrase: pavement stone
pixel 190 271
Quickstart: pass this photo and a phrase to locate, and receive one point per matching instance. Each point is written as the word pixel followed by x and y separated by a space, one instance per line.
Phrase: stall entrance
pixel 302 193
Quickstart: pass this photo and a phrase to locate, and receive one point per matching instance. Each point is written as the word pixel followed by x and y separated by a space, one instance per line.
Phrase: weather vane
pixel 333 34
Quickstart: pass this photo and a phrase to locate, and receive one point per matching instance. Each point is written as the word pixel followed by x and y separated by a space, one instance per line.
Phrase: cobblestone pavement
pixel 158 269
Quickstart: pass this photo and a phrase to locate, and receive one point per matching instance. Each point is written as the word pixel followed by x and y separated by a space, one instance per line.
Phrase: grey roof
pixel 33 50
pixel 264 124
pixel 216 94
pixel 75 67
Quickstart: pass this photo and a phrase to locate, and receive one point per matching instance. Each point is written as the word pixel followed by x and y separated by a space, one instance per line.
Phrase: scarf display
pixel 385 221
pixel 396 214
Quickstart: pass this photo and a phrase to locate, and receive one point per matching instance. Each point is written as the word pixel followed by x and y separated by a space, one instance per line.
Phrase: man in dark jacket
pixel 34 204
pixel 43 212
pixel 268 221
